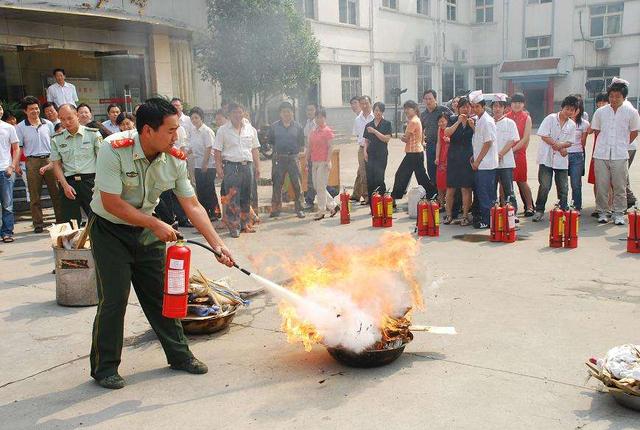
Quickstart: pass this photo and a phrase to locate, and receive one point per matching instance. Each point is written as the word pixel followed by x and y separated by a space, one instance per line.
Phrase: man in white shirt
pixel 113 111
pixel 507 137
pixel 557 132
pixel 359 124
pixel 616 126
pixel 201 143
pixel 485 159
pixel 62 92
pixel 185 120
pixel 237 158
pixel 9 163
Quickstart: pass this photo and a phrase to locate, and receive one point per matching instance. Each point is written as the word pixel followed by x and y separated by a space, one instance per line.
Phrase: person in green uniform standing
pixel 128 243
pixel 73 154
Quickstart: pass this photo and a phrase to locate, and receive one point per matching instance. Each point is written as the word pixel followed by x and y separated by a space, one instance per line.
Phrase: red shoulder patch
pixel 122 143
pixel 175 152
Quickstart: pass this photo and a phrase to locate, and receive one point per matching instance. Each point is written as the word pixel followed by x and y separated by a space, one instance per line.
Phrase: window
pixel 423 7
pixel 307 8
pixel 538 47
pixel 539 1
pixel 392 4
pixel 452 10
pixel 391 80
pixel 424 79
pixel 484 11
pixel 484 79
pixel 454 82
pixel 606 19
pixel 349 12
pixel 605 75
pixel 351 83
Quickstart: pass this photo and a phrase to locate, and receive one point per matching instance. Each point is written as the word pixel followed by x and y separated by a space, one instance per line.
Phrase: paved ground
pixel 527 317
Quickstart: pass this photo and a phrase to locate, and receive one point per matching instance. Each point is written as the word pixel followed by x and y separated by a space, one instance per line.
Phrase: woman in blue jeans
pixel 576 156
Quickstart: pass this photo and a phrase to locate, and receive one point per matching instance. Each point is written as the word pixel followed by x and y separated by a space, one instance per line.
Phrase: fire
pixel 361 296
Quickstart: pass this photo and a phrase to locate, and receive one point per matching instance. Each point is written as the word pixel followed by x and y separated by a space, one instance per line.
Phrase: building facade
pixel 112 51
pixel 545 48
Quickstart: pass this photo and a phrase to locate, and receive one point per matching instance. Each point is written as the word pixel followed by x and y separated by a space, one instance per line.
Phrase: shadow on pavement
pixel 604 410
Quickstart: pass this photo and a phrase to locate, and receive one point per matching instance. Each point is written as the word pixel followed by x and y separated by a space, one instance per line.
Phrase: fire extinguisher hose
pixel 213 251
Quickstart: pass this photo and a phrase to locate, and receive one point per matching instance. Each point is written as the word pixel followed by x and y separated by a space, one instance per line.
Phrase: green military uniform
pixel 126 254
pixel 78 153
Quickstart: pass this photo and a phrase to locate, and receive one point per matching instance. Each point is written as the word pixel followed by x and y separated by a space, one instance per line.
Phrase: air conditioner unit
pixel 460 55
pixel 602 44
pixel 423 51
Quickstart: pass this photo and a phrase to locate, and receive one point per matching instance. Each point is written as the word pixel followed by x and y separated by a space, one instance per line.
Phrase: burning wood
pixel 354 298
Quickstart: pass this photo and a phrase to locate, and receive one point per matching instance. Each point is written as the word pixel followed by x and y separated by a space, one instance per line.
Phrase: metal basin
pixel 368 358
pixel 207 325
pixel 626 400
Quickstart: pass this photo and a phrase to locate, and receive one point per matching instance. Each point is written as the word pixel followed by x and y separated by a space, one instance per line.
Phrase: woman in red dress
pixel 442 149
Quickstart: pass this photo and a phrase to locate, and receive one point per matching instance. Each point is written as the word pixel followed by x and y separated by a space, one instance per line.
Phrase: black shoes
pixel 192 365
pixel 113 382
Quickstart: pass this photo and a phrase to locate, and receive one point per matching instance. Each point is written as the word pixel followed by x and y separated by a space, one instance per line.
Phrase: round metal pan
pixel 369 358
pixel 207 325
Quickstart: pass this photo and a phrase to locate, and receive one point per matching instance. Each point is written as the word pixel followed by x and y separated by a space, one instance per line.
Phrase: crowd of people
pixel 466 155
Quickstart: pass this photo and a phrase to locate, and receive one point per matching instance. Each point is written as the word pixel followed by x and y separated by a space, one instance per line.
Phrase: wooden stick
pixel 433 329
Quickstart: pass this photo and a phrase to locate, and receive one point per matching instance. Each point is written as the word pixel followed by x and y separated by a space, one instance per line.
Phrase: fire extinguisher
pixel 423 216
pixel 556 227
pixel 345 207
pixel 387 204
pixel 509 235
pixel 176 281
pixel 633 240
pixel 497 223
pixel 433 221
pixel 377 211
pixel 572 220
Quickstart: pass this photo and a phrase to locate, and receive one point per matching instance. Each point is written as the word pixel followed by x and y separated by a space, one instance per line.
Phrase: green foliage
pixel 14 108
pixel 257 49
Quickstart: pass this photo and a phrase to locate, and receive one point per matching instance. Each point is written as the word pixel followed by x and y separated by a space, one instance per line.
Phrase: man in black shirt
pixel 286 137
pixel 429 119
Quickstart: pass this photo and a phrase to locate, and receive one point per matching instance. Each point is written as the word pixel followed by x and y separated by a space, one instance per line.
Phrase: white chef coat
pixel 485 132
pixel 615 128
pixel 506 132
pixel 576 143
pixel 551 127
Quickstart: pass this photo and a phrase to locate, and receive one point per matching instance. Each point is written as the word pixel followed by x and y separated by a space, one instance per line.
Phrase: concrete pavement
pixel 527 318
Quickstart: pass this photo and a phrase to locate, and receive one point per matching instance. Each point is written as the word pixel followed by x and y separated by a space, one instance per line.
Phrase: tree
pixel 257 49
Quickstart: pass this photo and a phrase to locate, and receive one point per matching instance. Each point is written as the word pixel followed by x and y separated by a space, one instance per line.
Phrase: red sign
pixel 115 100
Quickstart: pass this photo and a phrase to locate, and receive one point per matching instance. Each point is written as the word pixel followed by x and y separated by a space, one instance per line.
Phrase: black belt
pixel 81 176
pixel 39 156
pixel 286 154
pixel 130 228
pixel 237 163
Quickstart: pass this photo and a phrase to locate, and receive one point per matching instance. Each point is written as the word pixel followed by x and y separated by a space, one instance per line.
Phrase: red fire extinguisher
pixel 556 227
pixel 509 235
pixel 572 220
pixel 176 281
pixel 345 207
pixel 387 204
pixel 423 216
pixel 377 211
pixel 497 223
pixel 633 240
pixel 433 220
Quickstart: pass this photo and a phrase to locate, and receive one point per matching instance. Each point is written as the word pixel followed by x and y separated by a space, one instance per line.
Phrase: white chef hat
pixel 501 97
pixel 476 96
pixel 617 80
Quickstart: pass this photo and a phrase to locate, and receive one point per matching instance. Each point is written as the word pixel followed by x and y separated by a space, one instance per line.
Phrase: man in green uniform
pixel 128 243
pixel 73 154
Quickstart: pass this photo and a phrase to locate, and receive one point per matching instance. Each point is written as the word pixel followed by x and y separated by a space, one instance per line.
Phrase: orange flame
pixel 380 280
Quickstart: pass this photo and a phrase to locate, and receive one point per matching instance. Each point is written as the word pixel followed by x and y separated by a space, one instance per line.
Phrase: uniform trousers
pixel 126 255
pixel 83 185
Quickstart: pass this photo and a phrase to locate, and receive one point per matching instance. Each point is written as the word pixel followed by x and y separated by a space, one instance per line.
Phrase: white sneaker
pixel 538 216
pixel 602 218
pixel 619 220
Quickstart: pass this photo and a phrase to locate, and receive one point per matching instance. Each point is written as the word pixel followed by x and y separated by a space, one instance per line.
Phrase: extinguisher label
pixel 512 220
pixel 175 282
pixel 389 210
pixel 425 216
pixel 436 215
pixel 176 264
